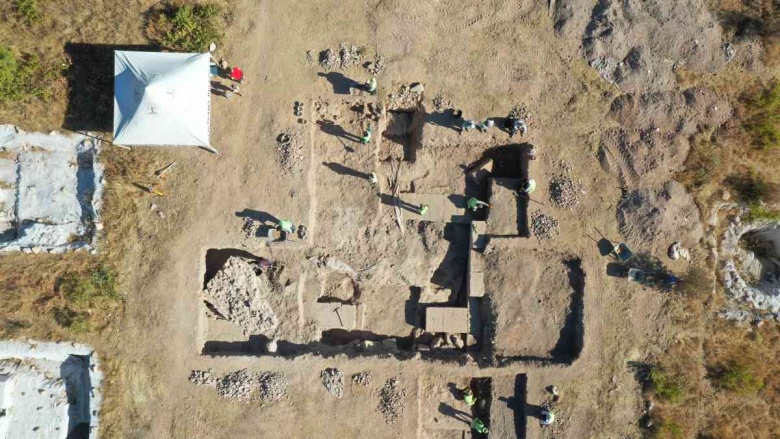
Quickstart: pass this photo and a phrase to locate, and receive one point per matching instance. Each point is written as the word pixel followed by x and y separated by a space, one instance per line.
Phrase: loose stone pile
pixel 333 380
pixel 392 400
pixel 543 226
pixel 565 192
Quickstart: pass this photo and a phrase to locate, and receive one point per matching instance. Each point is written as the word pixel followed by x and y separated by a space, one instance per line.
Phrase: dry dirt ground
pixel 485 58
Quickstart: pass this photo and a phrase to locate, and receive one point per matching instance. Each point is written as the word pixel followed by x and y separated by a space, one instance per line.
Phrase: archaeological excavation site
pixel 389 219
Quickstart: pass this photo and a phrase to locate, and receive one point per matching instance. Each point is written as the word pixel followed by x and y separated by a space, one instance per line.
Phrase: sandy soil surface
pixel 485 58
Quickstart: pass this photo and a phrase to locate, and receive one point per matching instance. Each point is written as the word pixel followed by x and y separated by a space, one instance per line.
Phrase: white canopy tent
pixel 162 99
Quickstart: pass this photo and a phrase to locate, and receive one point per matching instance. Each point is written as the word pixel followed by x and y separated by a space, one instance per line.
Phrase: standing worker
pixel 366 136
pixel 468 396
pixel 529 186
pixel 371 85
pixel 372 178
pixel 286 226
pixel 479 426
pixel 546 417
pixel 474 204
pixel 467 125
pixel 423 209
pixel 484 126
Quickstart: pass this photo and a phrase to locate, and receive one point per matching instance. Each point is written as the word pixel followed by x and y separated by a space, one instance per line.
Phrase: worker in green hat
pixel 473 204
pixel 479 426
pixel 468 396
pixel 286 226
pixel 371 85
pixel 423 209
pixel 366 135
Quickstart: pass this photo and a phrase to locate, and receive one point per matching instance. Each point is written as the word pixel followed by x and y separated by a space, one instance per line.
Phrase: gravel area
pixel 565 192
pixel 245 386
pixel 543 226
pixel 392 400
pixel 273 386
pixel 289 149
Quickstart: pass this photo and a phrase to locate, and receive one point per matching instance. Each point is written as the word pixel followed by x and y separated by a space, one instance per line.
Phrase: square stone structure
pixel 451 320
pixel 504 216
pixel 334 315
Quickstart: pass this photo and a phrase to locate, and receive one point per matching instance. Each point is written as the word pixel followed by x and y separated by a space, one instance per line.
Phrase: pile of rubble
pixel 392 400
pixel 333 380
pixel 273 386
pixel 348 56
pixel 363 378
pixel 407 97
pixel 565 192
pixel 290 152
pixel 543 226
pixel 377 66
pixel 203 378
pixel 240 295
pixel 244 386
pixel 328 59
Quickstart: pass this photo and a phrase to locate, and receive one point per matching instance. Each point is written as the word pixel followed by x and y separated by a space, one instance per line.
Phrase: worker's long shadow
pixel 257 215
pixel 391 201
pixel 445 119
pixel 344 170
pixel 452 412
pixel 330 127
pixel 341 84
pixel 520 409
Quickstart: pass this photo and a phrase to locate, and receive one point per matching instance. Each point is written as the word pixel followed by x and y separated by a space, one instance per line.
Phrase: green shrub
pixel 28 11
pixel 77 322
pixel 23 78
pixel 738 377
pixel 91 289
pixel 190 28
pixel 753 188
pixel 760 211
pixel 763 118
pixel 669 430
pixel 696 283
pixel 666 386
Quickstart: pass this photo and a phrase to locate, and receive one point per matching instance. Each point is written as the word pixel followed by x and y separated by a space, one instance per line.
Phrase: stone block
pixel 452 320
pixel 476 284
pixel 478 235
pixel 334 315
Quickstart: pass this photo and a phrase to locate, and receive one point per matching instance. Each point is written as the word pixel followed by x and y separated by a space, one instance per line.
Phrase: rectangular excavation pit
pixel 402 135
pixel 247 300
pixel 445 414
pixel 509 412
pixel 536 303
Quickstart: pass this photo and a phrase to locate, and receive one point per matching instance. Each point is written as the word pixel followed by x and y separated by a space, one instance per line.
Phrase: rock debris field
pixel 239 295
pixel 565 192
pixel 392 400
pixel 245 386
pixel 543 226
pixel 333 380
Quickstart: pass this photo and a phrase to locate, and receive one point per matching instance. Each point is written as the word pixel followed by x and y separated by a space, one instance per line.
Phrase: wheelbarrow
pixel 622 252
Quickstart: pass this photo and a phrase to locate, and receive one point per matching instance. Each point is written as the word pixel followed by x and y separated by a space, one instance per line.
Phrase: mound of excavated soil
pixel 240 296
pixel 660 216
pixel 638 45
pixel 652 141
